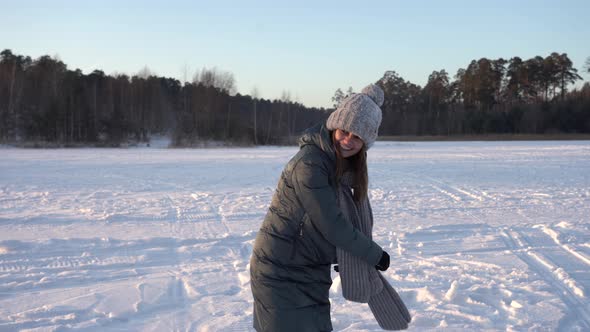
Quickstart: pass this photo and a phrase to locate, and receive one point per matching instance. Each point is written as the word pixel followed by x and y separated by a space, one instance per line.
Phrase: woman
pixel 308 221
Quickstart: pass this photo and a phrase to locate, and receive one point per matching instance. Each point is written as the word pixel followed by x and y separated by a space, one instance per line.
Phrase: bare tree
pixel 254 95
pixel 337 98
pixel 349 92
pixel 216 78
pixel 184 70
pixel 144 73
pixel 286 99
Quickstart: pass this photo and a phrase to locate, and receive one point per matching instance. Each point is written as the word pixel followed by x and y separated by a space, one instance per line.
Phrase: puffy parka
pixel 296 244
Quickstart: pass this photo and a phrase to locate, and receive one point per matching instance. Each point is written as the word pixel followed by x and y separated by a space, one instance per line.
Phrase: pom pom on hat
pixel 359 114
pixel 375 93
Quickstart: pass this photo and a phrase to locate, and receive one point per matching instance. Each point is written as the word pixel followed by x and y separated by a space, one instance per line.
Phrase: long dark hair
pixel 358 162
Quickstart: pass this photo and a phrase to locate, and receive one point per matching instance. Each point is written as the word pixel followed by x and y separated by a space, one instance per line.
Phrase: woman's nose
pixel 347 138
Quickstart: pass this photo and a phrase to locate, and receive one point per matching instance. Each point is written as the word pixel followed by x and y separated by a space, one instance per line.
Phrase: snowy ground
pixel 483 236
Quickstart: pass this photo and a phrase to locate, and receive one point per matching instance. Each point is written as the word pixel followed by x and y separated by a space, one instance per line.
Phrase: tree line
pixel 41 100
pixel 499 96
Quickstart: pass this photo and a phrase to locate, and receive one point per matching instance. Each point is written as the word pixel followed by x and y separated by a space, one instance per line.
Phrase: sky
pixel 305 49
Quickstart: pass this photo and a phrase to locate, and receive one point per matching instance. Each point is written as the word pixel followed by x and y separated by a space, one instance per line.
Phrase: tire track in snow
pixel 551 272
pixel 551 260
pixel 200 208
pixel 554 235
pixel 51 267
pixel 446 190
pixel 215 219
pixel 65 263
pixel 456 193
pixel 555 267
pixel 173 307
pixel 568 290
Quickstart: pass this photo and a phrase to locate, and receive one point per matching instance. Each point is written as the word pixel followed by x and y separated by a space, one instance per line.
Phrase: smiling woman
pixel 320 215
pixel 348 143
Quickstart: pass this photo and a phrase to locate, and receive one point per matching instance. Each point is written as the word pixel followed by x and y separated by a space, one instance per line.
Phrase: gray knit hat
pixel 359 114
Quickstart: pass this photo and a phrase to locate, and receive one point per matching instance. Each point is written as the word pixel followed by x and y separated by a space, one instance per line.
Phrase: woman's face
pixel 349 143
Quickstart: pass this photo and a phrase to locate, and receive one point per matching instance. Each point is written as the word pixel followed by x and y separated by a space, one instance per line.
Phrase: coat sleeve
pixel 313 189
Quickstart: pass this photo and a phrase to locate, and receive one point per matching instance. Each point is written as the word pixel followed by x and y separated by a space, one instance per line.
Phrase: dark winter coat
pixel 296 244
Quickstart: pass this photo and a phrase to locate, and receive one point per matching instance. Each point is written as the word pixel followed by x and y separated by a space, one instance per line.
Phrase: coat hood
pixel 319 136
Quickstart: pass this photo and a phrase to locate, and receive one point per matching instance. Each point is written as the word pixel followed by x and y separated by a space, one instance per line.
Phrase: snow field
pixel 482 236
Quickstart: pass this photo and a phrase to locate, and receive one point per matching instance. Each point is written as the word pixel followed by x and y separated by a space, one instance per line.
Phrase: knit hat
pixel 359 114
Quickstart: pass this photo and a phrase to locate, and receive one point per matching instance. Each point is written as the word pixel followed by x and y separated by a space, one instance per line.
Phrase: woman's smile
pixel 349 143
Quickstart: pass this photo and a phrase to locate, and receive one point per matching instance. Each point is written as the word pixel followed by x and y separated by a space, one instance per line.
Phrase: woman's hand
pixel 383 264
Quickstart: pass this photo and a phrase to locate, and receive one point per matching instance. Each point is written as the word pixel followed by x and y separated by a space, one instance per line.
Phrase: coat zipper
pixel 295 240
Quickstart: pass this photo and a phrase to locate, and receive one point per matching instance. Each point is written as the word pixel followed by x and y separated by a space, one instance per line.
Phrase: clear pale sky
pixel 306 48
